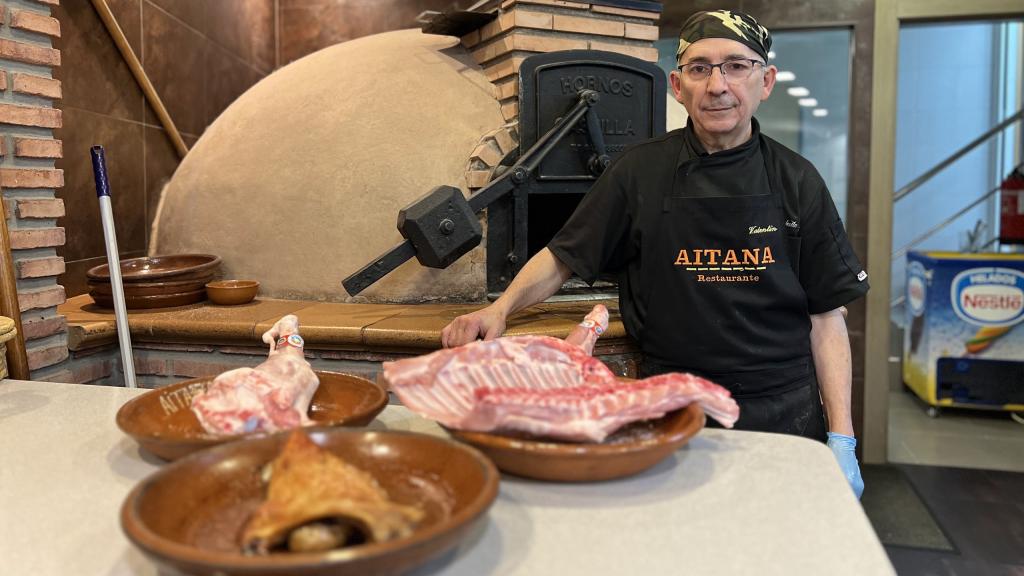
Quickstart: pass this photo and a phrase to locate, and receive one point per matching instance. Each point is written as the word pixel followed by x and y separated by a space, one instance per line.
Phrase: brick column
pixel 532 26
pixel 525 27
pixel 28 178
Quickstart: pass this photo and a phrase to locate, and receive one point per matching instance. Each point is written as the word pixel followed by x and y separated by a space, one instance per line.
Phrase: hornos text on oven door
pixel 989 296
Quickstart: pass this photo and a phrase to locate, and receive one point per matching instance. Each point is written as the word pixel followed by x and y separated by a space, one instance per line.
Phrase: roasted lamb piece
pixel 544 386
pixel 272 396
pixel 316 501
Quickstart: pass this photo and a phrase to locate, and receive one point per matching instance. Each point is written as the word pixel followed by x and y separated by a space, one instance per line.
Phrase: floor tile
pixel 982 530
pixel 981 513
pixel 957 438
pixel 914 562
pixel 910 414
pixel 899 452
pixel 1009 483
pixel 960 567
pixel 898 512
pixel 965 452
pixel 940 484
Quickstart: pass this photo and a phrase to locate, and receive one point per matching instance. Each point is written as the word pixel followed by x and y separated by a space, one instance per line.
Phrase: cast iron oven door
pixel 631 109
pixel 578 110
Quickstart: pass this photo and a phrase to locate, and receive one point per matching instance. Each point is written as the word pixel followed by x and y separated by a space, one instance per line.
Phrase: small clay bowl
pixel 232 292
pixel 188 516
pixel 163 423
pixel 630 450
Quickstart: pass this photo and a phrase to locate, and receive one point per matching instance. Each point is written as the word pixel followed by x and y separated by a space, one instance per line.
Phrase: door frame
pixel 889 16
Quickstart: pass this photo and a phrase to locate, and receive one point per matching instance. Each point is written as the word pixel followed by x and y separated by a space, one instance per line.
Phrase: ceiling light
pixel 820 112
pixel 771 55
pixel 785 76
pixel 808 102
pixel 798 91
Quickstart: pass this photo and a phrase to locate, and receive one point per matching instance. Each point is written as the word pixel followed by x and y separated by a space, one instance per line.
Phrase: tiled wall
pixel 309 25
pixel 29 181
pixel 199 54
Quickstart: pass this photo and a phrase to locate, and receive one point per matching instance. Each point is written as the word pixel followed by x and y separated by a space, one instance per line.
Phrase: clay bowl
pixel 155 301
pixel 630 450
pixel 162 422
pixel 149 268
pixel 188 516
pixel 151 288
pixel 232 292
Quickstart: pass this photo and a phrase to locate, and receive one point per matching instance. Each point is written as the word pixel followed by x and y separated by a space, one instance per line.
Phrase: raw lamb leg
pixel 586 333
pixel 272 396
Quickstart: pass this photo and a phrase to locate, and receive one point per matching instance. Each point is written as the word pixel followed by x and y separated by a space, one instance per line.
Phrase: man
pixel 732 260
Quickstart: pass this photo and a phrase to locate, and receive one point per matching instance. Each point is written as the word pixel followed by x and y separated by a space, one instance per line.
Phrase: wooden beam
pixel 880 204
pixel 889 15
pixel 945 10
pixel 140 75
pixel 17 359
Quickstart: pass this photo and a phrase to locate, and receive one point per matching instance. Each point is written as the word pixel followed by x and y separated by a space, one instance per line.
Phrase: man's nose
pixel 716 82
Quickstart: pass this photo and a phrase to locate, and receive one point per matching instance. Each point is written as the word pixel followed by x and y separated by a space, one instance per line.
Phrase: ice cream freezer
pixel 963 344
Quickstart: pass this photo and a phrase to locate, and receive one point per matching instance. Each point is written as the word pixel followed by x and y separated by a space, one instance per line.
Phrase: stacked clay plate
pixel 156 281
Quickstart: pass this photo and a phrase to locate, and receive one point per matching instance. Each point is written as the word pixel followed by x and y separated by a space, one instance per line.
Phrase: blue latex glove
pixel 843 447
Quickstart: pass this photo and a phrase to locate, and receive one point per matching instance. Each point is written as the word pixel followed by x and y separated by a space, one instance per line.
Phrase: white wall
pixel 945 100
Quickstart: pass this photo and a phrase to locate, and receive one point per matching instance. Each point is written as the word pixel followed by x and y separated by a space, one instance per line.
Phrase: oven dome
pixel 299 182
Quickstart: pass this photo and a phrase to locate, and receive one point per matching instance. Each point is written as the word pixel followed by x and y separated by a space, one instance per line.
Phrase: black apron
pixel 722 300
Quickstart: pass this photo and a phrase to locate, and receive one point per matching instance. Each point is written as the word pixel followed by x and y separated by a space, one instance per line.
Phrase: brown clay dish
pixel 151 288
pixel 188 516
pixel 628 451
pixel 149 268
pixel 232 292
pixel 156 301
pixel 162 422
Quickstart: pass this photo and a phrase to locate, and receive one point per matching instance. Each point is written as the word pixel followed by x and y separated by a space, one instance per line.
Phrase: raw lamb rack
pixel 544 386
pixel 272 396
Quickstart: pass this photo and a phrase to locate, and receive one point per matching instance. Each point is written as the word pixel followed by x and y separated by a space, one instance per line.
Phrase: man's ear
pixel 769 82
pixel 676 81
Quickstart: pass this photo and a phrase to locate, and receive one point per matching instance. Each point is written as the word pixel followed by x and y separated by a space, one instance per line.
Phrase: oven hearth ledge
pixel 172 344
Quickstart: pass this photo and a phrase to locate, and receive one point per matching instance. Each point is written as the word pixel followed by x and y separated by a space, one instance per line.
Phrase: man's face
pixel 721 108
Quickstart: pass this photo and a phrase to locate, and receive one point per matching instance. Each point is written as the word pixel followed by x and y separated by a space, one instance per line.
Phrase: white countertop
pixel 727 503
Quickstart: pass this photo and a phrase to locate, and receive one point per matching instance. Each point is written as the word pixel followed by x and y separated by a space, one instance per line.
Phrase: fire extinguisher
pixel 1011 208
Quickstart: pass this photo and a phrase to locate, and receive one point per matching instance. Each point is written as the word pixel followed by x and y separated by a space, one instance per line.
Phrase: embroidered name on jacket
pixel 745 258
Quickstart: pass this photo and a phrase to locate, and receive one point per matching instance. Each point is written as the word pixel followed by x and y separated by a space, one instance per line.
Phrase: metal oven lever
pixel 600 159
pixel 441 226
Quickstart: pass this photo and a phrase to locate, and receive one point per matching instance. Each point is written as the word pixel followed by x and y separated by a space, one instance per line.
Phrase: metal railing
pixel 917 182
pixel 896 255
pixel 928 175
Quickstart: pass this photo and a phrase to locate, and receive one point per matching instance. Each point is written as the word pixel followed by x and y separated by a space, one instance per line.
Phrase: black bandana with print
pixel 725 24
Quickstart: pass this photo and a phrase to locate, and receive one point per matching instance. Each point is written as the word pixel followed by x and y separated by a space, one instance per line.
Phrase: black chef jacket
pixel 608 232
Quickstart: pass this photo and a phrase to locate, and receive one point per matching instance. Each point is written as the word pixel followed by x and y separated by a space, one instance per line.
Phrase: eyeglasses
pixel 734 71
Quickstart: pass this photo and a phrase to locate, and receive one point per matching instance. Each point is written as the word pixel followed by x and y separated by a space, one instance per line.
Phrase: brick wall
pixel 158 365
pixel 28 177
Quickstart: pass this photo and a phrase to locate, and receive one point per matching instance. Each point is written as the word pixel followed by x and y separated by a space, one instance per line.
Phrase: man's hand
pixel 488 323
pixel 843 447
pixel 541 277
